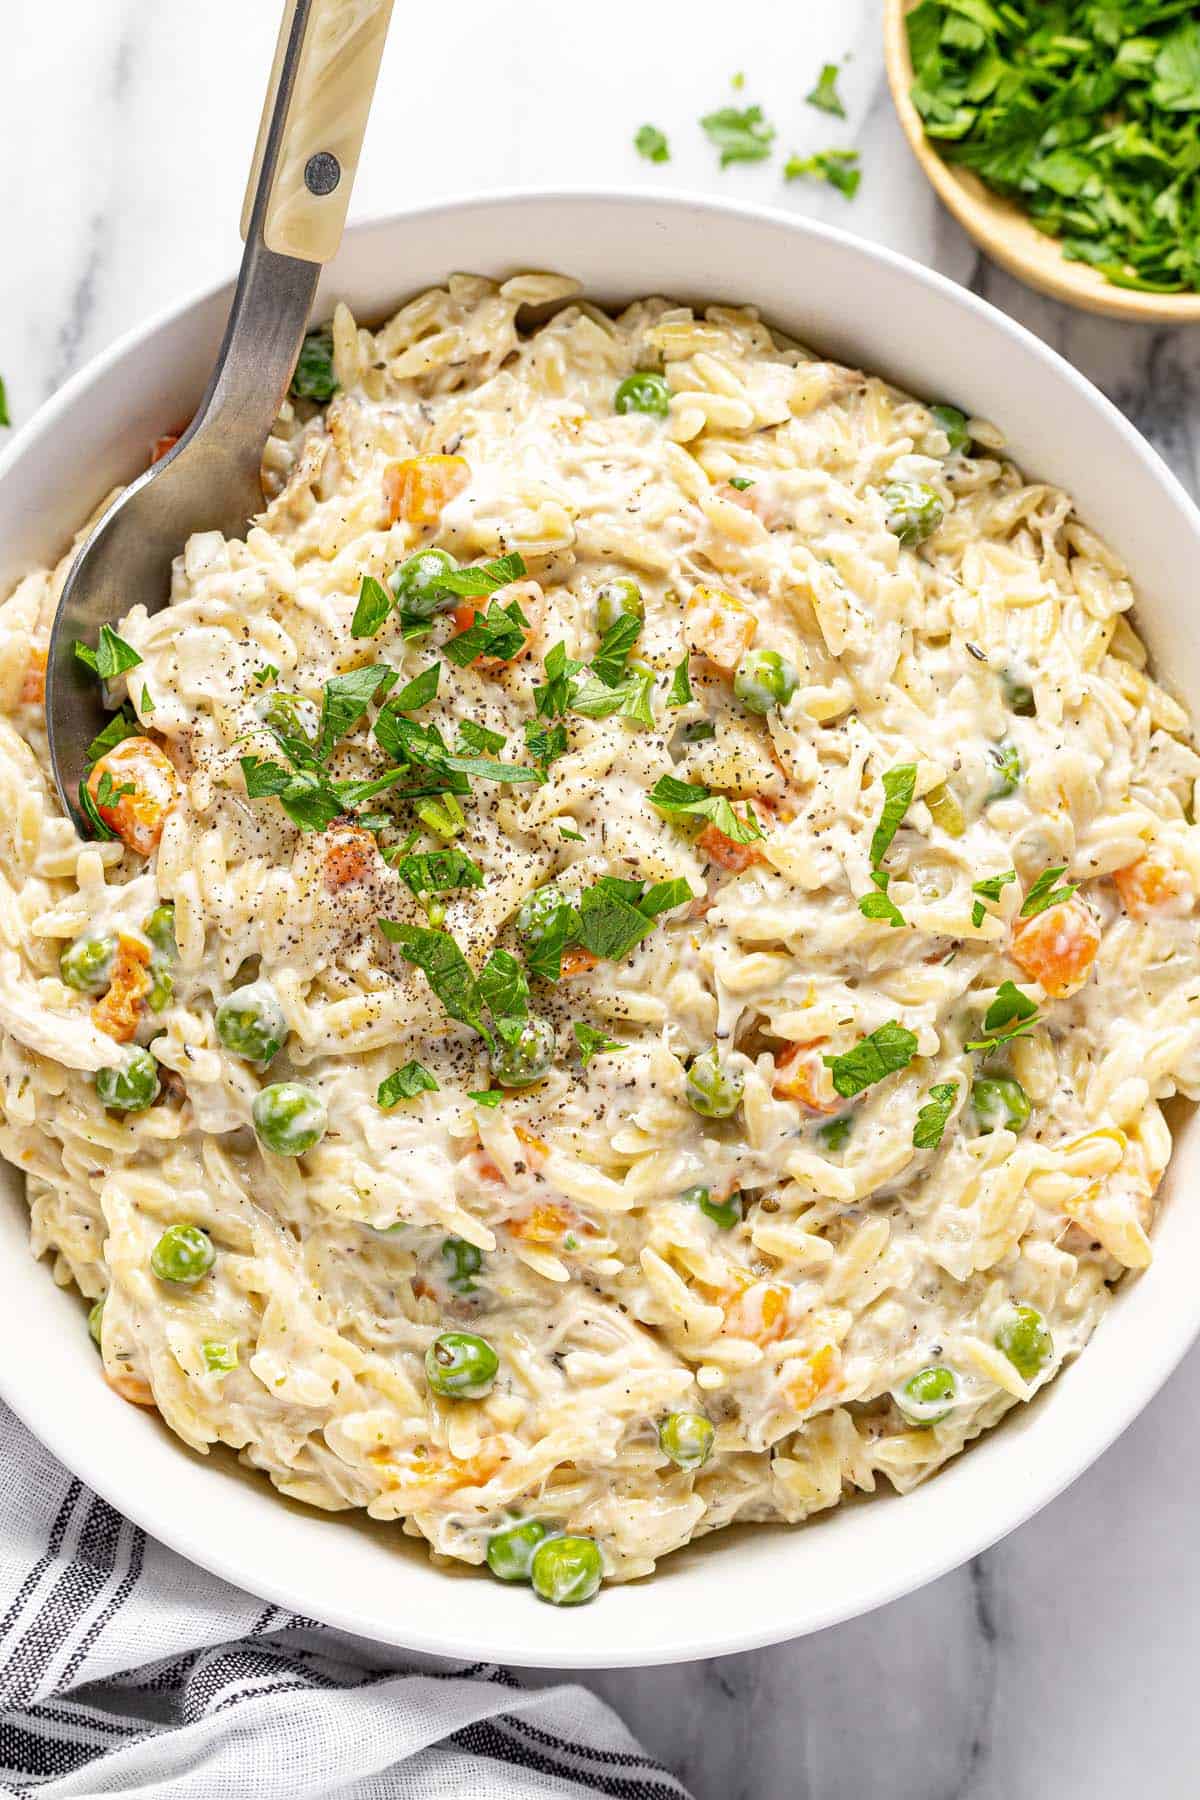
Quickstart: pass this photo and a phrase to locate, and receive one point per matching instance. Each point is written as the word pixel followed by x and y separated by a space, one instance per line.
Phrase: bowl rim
pixel 186 1535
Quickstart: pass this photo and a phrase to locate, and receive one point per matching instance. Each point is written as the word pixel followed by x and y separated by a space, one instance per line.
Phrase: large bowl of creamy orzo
pixel 629 946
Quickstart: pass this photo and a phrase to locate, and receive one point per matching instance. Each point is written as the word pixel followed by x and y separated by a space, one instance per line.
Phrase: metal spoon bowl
pixel 322 82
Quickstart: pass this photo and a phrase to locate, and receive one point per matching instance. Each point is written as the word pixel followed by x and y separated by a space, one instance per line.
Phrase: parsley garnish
pixel 1044 894
pixel 268 672
pixel 882 1052
pixel 107 791
pixel 931 1120
pixel 405 1084
pixel 608 664
pixel 545 743
pixel 899 785
pixel 445 968
pixel 314 378
pixel 989 888
pixel 612 916
pixel 504 989
pixel 478 737
pixel 122 725
pixel 1011 1014
pixel 825 96
pixel 438 871
pixel 670 795
pixel 1086 113
pixel 741 482
pixel 878 905
pixel 838 167
pixel 650 143
pixel 576 837
pixel 346 699
pixel 87 807
pixel 834 1132
pixel 743 136
pixel 481 579
pixel 680 691
pixel 554 696
pixel 486 1096
pixel 111 657
pixel 375 602
pixel 499 632
pixel 593 1043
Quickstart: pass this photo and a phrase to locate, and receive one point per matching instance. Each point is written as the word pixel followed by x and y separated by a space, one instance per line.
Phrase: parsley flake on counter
pixel 650 142
pixel 838 167
pixel 593 1043
pixel 931 1119
pixel 824 96
pixel 1044 894
pixel 405 1084
pixel 882 1052
pixel 740 136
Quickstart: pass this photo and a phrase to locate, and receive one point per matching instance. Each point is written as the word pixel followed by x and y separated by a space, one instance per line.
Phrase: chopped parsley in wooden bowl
pixel 1065 137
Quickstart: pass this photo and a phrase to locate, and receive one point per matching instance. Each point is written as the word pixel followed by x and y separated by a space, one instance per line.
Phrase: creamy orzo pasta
pixel 634 937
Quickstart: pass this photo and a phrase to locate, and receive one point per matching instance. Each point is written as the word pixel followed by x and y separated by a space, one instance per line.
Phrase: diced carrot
pixel 142 790
pixel 1152 883
pixel 577 961
pixel 806 1377
pixel 543 1224
pixel 163 445
pixel 131 1387
pixel 800 1074
pixel 726 852
pixel 531 1141
pixel 478 1469
pixel 33 685
pixel 1058 946
pixel 418 488
pixel 120 1010
pixel 350 857
pixel 760 1313
pixel 719 626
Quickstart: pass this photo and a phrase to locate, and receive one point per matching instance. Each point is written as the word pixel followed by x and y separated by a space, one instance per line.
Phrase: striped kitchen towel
pixel 126 1670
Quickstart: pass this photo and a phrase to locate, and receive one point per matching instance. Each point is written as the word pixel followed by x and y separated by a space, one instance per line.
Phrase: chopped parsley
pixel 593 1043
pixel 498 632
pixel 111 657
pixel 553 697
pixel 1011 1014
pixel 545 743
pixel 838 167
pixel 670 795
pixel 147 701
pixel 122 725
pixel 1044 894
pixel 741 482
pixel 444 967
pixel 438 871
pixel 824 96
pixel 650 142
pixel 405 1084
pixel 680 691
pixel 899 784
pixel 931 1119
pixel 486 1096
pixel 882 1052
pixel 740 135
pixel 989 888
pixel 268 672
pixel 375 602
pixel 878 905
pixel 608 664
pixel 1085 113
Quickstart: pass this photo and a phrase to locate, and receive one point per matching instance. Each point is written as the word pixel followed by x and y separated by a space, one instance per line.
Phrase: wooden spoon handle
pixel 314 117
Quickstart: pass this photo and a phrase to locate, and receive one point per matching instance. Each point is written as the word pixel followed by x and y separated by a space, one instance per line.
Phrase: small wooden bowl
pixel 1002 229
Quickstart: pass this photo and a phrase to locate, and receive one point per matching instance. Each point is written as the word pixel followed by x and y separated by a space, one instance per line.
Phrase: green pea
pixel 162 988
pixel 461 1366
pixel 566 1571
pixel 465 1261
pixel 954 423
pixel 96 1320
pixel 1007 759
pixel 764 680
pixel 87 963
pixel 251 1023
pixel 1018 696
pixel 525 1055
pixel 130 1086
pixel 417 584
pixel 160 929
pixel 725 1213
pixel 1025 1339
pixel 834 1132
pixel 289 1118
pixel 183 1254
pixel 712 1090
pixel 644 392
pixel 538 913
pixel 219 1357
pixel 914 510
pixel 999 1102
pixel 687 1438
pixel 620 599
pixel 510 1548
pixel 928 1396
pixel 314 378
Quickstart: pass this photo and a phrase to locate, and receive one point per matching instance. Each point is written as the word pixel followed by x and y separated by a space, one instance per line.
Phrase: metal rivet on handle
pixel 322 173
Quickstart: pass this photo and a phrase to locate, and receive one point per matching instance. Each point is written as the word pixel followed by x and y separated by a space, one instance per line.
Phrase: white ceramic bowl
pixel 741 1588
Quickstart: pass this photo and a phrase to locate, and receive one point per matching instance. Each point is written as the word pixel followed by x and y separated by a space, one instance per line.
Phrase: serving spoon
pixel 314 117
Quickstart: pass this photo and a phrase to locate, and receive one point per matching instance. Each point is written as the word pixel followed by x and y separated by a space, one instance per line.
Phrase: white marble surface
pixel 1063 1662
